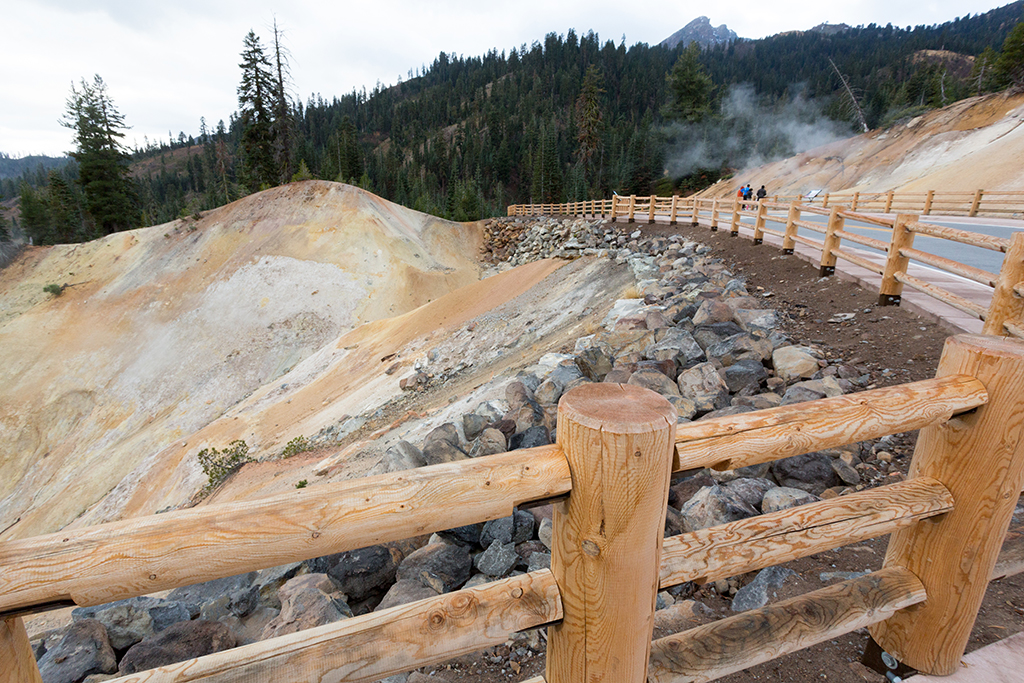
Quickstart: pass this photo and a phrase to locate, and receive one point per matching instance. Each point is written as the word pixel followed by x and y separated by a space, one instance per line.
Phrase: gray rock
pixel 463 535
pixel 405 591
pixel 362 573
pixel 84 650
pixel 497 560
pixel 714 505
pixel 402 456
pixel 794 362
pixel 704 386
pixel 491 441
pixel 712 311
pixel 544 530
pixel 307 601
pixel 442 567
pixel 811 472
pixel 539 561
pixel 761 322
pixel 473 425
pixel 685 407
pixel 677 345
pixel 826 386
pixel 493 410
pixel 181 641
pixel 548 392
pixel 751 490
pixel 800 394
pixel 442 451
pixel 268 581
pixel 654 381
pixel 744 373
pixel 162 613
pixel 784 497
pixel 537 435
pixel 738 347
pixel 846 472
pixel 522 530
pixel 756 593
pixel 447 432
pixel 498 530
pixel 595 363
pixel 241 593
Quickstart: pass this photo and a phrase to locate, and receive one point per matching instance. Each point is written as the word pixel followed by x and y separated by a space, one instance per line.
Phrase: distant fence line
pixel 1004 315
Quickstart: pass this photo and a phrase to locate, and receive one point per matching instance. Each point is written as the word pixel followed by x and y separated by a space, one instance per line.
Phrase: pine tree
pixel 1010 65
pixel 282 126
pixel 255 97
pixel 589 119
pixel 35 217
pixel 690 88
pixel 110 197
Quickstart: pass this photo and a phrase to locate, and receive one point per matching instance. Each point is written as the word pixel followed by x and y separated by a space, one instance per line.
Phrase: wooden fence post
pixel 891 290
pixel 824 202
pixel 714 215
pixel 928 202
pixel 888 201
pixel 695 215
pixel 606 540
pixel 654 205
pixel 632 208
pixel 828 259
pixel 675 210
pixel 615 205
pixel 976 203
pixel 734 228
pixel 762 211
pixel 788 243
pixel 17 664
pixel 856 196
pixel 979 457
pixel 1007 305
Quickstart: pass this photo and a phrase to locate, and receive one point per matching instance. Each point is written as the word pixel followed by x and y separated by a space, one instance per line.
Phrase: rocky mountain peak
pixel 702 32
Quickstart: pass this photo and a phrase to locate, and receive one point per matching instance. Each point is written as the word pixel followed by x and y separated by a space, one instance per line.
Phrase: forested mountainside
pixel 567 118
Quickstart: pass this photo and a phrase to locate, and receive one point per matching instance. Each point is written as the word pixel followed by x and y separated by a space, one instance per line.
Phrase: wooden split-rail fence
pixel 1003 316
pixel 618 446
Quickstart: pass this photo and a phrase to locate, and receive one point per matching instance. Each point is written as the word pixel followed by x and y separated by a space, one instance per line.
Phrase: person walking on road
pixel 761 194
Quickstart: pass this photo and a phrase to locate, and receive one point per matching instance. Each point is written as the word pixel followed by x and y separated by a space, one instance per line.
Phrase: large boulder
pixel 440 566
pixel 714 505
pixel 84 650
pixel 792 363
pixel 654 381
pixel 238 594
pixel 491 441
pixel 677 345
pixel 307 601
pixel 811 472
pixel 362 573
pixel 704 386
pixel 181 641
pixel 129 621
pixel 405 591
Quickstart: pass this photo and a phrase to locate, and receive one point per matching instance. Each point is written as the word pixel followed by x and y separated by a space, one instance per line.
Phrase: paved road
pixel 964 253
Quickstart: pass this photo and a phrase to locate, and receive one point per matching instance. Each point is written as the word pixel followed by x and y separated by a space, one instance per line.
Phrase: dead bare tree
pixel 853 99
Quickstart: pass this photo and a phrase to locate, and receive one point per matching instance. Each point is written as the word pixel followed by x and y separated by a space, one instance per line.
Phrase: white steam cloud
pixel 750 133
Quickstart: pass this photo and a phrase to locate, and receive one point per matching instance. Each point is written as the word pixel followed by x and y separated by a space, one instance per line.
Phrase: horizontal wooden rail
pixel 962 269
pixel 776 233
pixel 860 261
pixel 736 441
pixel 807 208
pixel 810 226
pixel 108 562
pixel 381 644
pixel 1014 330
pixel 863 240
pixel 942 295
pixel 865 218
pixel 963 236
pixel 777 537
pixel 809 241
pixel 730 645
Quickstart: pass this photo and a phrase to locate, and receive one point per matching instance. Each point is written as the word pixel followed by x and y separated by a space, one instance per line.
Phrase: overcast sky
pixel 168 63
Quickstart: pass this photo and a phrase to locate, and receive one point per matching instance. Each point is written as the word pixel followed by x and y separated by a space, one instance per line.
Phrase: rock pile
pixel 693 333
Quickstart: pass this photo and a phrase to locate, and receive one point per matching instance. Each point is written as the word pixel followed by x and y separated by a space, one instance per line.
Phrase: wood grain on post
pixel 976 203
pixel 828 259
pixel 606 541
pixel 107 562
pixel 695 218
pixel 714 650
pixel 632 208
pixel 652 208
pixel 734 227
pixel 762 212
pixel 853 204
pixel 757 542
pixel 714 215
pixel 928 202
pixel 979 457
pixel 615 206
pixel 891 290
pixel 373 646
pixel 888 201
pixel 675 210
pixel 788 243
pixel 17 664
pixel 1007 305
pixel 824 202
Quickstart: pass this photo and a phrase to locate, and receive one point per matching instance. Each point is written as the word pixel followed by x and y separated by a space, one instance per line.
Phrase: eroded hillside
pixel 164 329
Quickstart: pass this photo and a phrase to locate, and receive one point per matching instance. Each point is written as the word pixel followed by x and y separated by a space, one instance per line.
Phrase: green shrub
pixel 55 290
pixel 301 484
pixel 299 444
pixel 217 465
